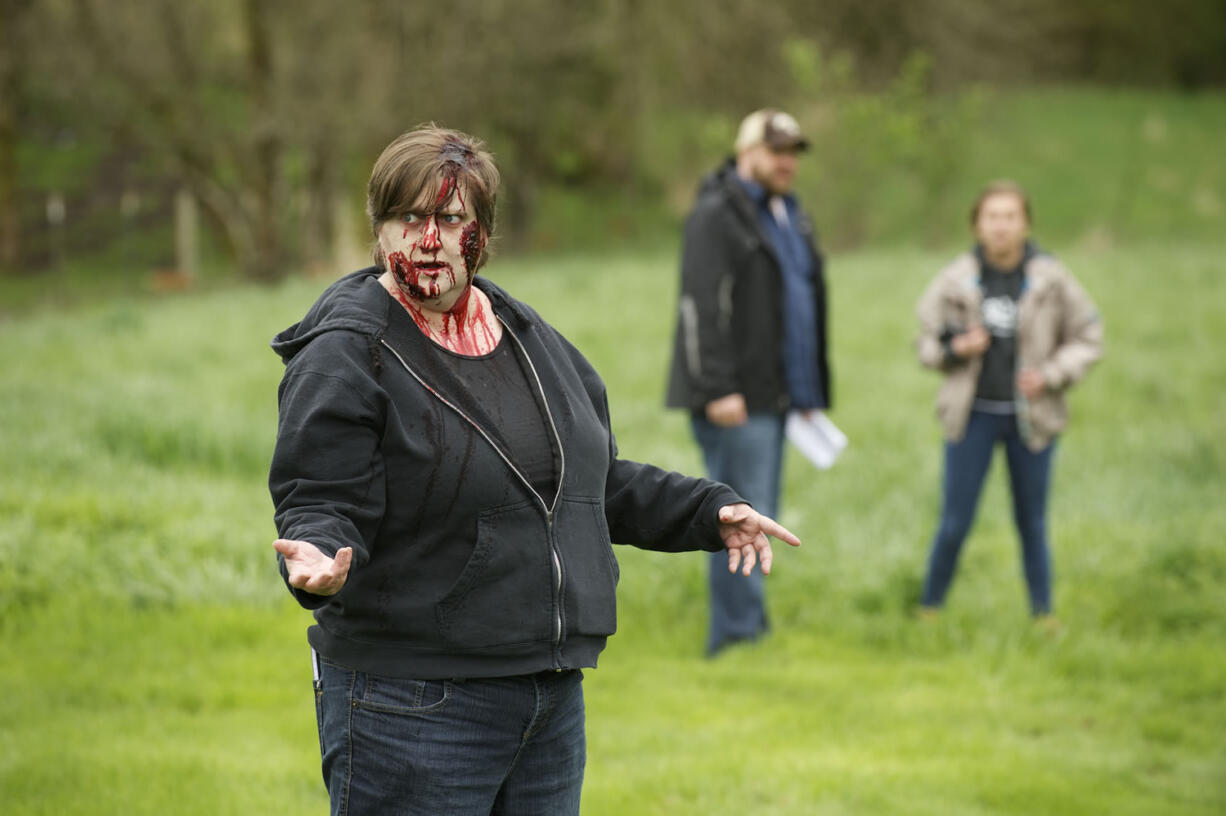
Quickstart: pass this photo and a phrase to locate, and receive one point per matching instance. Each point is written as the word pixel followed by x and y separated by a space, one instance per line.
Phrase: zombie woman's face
pixel 433 250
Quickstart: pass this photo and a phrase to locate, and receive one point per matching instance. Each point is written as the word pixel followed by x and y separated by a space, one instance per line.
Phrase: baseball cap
pixel 774 128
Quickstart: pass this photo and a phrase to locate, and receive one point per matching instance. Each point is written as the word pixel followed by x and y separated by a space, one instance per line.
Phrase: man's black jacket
pixel 729 334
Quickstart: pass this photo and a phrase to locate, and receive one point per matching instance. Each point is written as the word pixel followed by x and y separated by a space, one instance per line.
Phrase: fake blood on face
pixel 450 186
pixel 445 192
pixel 420 280
pixel 468 327
pixel 470 247
pixel 424 272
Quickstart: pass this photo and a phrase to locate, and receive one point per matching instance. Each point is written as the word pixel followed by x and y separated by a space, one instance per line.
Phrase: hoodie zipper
pixel 549 512
pixel 549 508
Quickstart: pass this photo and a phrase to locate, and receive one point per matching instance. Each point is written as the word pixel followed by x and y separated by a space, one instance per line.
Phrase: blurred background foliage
pixel 603 116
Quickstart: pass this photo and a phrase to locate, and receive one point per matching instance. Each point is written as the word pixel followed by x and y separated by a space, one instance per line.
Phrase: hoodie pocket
pixel 589 568
pixel 503 593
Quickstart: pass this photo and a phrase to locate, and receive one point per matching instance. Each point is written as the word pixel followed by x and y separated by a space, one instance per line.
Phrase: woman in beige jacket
pixel 1011 330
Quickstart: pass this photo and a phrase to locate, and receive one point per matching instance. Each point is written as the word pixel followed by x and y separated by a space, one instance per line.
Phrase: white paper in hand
pixel 816 437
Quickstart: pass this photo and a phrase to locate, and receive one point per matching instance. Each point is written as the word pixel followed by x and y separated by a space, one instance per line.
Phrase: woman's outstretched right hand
pixel 312 571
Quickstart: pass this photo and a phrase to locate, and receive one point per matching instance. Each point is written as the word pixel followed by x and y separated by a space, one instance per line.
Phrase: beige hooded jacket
pixel 1059 333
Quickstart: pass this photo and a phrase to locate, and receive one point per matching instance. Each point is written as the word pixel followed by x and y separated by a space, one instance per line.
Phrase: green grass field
pixel 154 663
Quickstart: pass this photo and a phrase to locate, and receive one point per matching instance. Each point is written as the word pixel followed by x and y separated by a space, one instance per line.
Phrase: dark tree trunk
pixel 12 66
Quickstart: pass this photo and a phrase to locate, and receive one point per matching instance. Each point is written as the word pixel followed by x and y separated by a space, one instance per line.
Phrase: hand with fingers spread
pixel 312 571
pixel 744 531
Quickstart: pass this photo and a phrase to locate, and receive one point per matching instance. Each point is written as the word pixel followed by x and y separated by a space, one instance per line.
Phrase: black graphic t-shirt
pixel 1001 291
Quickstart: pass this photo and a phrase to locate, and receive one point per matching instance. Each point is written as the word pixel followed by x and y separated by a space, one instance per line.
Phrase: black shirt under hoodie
pixel 461 567
pixel 519 419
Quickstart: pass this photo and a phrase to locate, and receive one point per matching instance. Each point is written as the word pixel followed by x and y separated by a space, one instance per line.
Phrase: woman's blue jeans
pixel 748 458
pixel 504 745
pixel 966 466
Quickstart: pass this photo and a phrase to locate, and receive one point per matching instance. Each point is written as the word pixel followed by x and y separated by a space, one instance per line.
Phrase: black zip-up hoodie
pixel 460 568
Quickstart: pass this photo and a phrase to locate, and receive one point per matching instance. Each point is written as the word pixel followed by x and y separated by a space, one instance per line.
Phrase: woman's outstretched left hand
pixel 745 532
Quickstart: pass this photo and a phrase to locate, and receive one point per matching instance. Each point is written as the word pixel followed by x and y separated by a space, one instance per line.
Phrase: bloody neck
pixel 469 327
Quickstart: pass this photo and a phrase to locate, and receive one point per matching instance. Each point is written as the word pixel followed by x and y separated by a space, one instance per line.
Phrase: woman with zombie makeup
pixel 1011 330
pixel 447 488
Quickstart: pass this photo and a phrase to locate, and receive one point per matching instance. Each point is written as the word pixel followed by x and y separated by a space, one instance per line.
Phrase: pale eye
pixel 411 218
pixel 451 218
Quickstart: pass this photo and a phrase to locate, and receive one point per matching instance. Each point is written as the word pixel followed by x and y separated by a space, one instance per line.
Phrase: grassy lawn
pixel 154 663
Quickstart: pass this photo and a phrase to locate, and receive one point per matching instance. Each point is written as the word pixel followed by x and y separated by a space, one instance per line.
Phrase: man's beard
pixel 772 185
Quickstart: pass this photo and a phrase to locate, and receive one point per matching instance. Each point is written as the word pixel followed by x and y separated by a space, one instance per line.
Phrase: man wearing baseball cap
pixel 750 342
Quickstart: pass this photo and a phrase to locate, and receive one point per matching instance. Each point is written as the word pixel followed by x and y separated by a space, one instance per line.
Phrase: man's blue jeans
pixel 748 458
pixel 966 466
pixel 503 745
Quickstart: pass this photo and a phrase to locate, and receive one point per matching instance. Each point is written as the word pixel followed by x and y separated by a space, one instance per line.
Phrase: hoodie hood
pixel 359 303
pixel 723 185
pixel 349 304
pixel 718 178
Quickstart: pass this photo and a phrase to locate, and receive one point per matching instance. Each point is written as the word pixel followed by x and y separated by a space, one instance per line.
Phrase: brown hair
pixel 428 164
pixel 1000 187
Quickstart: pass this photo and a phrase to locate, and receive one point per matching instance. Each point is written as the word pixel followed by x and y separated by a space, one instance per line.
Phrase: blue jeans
pixel 966 466
pixel 502 745
pixel 748 458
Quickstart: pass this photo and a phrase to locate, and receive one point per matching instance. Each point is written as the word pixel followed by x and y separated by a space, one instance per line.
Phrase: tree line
pixel 268 113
